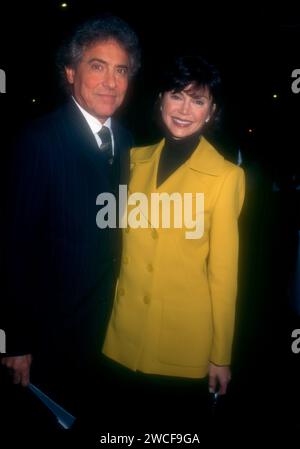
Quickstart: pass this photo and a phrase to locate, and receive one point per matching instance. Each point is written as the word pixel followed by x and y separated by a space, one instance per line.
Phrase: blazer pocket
pixel 123 318
pixel 186 332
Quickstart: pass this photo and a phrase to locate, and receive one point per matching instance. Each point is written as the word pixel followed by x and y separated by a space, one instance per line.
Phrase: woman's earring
pixel 160 97
pixel 207 120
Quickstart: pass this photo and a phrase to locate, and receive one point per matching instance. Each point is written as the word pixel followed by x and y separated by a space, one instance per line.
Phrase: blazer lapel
pixel 206 159
pixel 84 143
pixel 79 128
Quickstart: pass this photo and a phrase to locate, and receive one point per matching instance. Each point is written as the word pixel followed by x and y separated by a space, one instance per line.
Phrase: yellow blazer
pixel 174 306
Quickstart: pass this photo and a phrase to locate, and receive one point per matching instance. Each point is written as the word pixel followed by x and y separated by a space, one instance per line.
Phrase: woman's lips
pixel 181 123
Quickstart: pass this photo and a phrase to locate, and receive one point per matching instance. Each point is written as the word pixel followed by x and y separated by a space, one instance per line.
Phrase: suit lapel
pixel 79 129
pixel 82 141
pixel 79 135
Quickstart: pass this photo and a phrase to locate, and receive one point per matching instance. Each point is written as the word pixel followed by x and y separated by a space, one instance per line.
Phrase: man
pixel 61 267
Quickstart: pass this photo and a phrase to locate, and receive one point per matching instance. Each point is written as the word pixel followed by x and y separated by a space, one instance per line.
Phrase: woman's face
pixel 186 112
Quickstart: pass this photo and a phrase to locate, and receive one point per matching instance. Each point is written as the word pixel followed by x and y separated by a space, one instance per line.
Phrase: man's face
pixel 100 80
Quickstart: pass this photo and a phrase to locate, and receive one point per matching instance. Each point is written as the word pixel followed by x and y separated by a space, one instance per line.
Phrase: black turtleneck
pixel 174 153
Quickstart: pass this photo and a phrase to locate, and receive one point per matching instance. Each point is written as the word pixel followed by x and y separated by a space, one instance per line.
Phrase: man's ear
pixel 70 74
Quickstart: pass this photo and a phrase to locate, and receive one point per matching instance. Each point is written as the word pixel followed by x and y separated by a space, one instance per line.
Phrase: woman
pixel 174 308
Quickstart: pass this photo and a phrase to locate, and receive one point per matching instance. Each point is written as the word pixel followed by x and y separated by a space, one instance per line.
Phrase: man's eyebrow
pixel 102 61
pixel 97 60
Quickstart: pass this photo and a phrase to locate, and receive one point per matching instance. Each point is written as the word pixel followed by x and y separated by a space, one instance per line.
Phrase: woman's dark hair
pixel 186 70
pixel 99 30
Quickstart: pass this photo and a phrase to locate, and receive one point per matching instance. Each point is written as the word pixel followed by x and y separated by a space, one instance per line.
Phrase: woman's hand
pixel 218 377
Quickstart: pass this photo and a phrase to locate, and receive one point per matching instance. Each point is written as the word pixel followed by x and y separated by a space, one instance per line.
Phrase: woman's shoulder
pixel 231 167
pixel 232 173
pixel 210 160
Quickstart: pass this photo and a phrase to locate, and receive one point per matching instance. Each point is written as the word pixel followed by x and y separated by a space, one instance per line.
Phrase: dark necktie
pixel 106 144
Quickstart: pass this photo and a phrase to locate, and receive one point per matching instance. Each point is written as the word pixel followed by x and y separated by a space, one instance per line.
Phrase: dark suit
pixel 60 267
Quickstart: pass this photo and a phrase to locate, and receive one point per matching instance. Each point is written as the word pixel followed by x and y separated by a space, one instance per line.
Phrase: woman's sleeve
pixel 223 263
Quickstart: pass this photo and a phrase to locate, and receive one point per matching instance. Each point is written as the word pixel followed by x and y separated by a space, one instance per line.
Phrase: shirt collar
pixel 92 121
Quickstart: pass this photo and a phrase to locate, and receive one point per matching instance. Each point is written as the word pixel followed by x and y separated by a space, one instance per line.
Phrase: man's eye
pixel 122 70
pixel 96 67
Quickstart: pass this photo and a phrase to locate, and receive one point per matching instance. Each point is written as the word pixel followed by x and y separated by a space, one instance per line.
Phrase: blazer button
pixel 125 260
pixel 146 299
pixel 150 267
pixel 154 234
pixel 121 291
pixel 127 230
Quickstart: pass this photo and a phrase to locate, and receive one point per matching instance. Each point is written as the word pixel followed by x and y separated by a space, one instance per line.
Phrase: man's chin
pixel 104 114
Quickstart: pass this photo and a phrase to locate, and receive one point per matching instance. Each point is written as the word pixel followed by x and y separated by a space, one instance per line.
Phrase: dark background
pixel 256 49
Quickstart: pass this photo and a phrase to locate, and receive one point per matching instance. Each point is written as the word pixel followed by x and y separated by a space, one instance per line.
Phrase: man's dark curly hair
pixel 95 30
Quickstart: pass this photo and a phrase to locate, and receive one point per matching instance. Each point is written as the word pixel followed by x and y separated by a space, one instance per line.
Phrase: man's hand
pixel 219 376
pixel 19 366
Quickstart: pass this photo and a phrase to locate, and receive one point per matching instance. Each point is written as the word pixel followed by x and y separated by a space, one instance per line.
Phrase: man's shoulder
pixel 43 125
pixel 122 134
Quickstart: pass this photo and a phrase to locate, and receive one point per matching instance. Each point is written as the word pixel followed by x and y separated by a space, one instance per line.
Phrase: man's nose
pixel 109 79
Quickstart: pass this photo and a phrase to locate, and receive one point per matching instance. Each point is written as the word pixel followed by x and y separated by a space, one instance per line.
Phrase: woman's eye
pixel 175 97
pixel 199 102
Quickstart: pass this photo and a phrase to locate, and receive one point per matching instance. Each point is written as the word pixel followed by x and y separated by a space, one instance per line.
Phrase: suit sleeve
pixel 26 202
pixel 223 263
